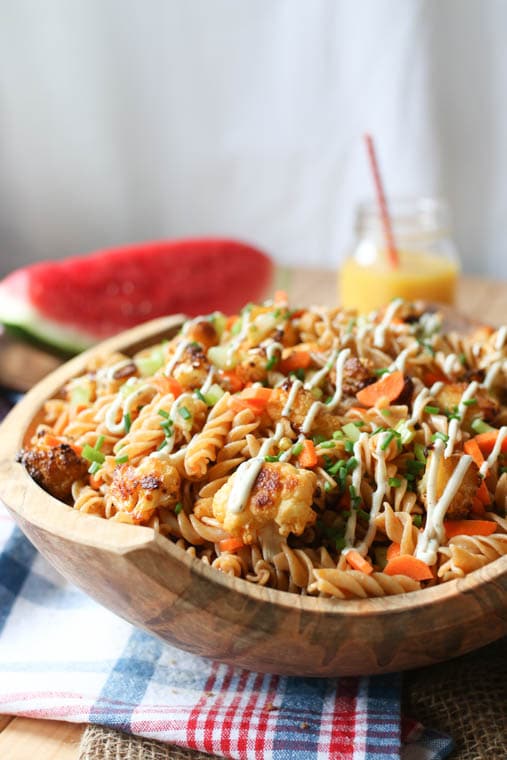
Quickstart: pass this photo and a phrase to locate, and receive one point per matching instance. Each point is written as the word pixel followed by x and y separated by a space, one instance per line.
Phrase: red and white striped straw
pixel 392 251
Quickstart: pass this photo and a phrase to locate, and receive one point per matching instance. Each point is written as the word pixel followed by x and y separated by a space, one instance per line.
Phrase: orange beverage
pixel 428 264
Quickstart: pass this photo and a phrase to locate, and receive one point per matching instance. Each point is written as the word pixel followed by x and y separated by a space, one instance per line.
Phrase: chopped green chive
pixel 94 467
pixel 394 482
pixel 163 413
pixel 297 449
pixel 122 459
pixel 298 373
pixel 200 396
pixel 358 423
pixel 470 402
pixel 340 544
pixel 419 452
pixel 463 360
pixel 338 435
pixel 349 447
pixel 318 439
pixel 183 412
pixel 327 486
pixel 351 464
pixel 327 445
pixel 431 409
pixel 439 436
pixel 363 515
pixel 503 470
pixel 379 430
pixel 178 508
pixel 417 520
pixel 385 412
pixel 92 454
pixel 100 443
pixel 382 371
pixel 127 421
pixel 389 437
pixel 271 363
pixel 272 458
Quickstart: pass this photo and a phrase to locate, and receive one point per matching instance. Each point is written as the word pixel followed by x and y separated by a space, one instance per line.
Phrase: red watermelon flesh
pixel 105 292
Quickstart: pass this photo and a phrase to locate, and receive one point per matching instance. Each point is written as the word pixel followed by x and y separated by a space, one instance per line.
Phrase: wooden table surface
pixel 26 738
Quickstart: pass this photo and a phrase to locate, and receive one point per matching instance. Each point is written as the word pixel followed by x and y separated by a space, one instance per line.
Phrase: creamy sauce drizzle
pixel 454 425
pixel 180 350
pixel 209 381
pixel 378 495
pixel 490 461
pixel 434 532
pixel 491 374
pixel 124 406
pixel 379 336
pixel 317 405
pixel 500 338
pixel 357 475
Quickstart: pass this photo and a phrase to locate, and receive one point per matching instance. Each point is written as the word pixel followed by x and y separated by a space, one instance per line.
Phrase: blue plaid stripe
pixel 303 700
pixel 128 680
pixel 383 734
pixel 15 563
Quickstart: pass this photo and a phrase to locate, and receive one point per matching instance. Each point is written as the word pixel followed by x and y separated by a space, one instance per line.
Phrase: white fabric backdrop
pixel 123 120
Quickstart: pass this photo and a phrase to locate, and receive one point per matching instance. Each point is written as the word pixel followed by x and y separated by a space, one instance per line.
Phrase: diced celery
pixel 479 426
pixel 219 356
pixel 406 431
pixel 351 431
pixel 219 321
pixel 149 364
pixel 214 394
pixel 80 393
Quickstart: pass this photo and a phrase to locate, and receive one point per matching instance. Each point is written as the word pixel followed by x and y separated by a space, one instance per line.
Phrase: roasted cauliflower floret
pixel 450 396
pixel 192 370
pixel 141 490
pixel 462 502
pixel 203 332
pixel 325 422
pixel 281 494
pixel 54 468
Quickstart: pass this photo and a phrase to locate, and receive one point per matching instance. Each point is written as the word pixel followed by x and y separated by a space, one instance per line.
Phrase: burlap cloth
pixel 465 697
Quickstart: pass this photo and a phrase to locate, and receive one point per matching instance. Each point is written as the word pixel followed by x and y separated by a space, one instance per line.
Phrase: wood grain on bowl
pixel 146 579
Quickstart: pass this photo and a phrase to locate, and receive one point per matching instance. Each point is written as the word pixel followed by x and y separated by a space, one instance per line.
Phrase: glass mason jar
pixel 428 261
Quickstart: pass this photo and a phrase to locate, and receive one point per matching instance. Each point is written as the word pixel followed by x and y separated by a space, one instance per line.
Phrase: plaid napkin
pixel 64 657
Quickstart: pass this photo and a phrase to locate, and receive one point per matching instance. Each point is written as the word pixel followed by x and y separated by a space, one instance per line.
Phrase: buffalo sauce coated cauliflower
pixel 141 490
pixel 281 494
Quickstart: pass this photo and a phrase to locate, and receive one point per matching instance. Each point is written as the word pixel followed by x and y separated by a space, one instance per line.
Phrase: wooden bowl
pixel 149 581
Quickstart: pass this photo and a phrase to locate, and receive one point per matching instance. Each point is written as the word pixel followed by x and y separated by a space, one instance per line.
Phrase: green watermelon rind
pixel 22 318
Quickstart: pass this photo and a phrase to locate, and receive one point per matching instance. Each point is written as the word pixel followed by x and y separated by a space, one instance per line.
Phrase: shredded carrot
pixel 469 527
pixel 296 360
pixel 51 440
pixel 358 562
pixel 471 447
pixel 280 298
pixel 253 398
pixel 388 387
pixel 483 493
pixel 167 385
pixel 230 544
pixel 61 423
pixel 235 382
pixel 406 564
pixel 486 441
pixel 95 482
pixel 308 457
pixel 393 551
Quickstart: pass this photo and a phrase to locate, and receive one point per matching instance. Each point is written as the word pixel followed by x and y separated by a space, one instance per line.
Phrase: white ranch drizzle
pixel 317 405
pixel 272 348
pixel 454 424
pixel 491 374
pixel 180 350
pixel 124 406
pixel 451 364
pixel 420 401
pixel 296 385
pixel 500 338
pixel 490 461
pixel 209 381
pixel 106 374
pixel 357 475
pixel 379 335
pixel 378 496
pixel 433 534
pixel 401 360
pixel 247 474
pixel 238 340
pixel 321 374
pixel 174 413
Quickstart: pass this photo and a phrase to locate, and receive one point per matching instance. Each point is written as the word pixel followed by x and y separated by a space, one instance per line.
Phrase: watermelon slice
pixel 74 303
